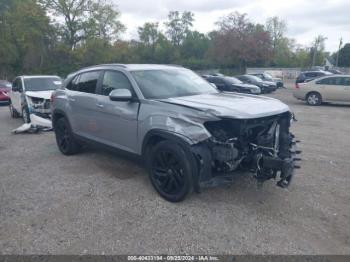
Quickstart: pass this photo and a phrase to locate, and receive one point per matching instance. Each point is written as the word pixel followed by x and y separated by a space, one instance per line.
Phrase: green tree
pixel 195 45
pixel 75 14
pixel 149 33
pixel 178 26
pixel 104 21
pixel 26 37
pixel 83 19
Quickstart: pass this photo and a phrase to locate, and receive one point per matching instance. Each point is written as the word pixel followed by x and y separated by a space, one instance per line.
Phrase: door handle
pixel 71 99
pixel 100 105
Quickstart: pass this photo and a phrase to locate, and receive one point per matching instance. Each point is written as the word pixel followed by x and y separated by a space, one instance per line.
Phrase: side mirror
pixel 120 95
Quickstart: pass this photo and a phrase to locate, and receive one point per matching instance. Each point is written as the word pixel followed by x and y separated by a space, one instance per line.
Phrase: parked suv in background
pixel 232 84
pixel 310 75
pixel 188 133
pixel 335 88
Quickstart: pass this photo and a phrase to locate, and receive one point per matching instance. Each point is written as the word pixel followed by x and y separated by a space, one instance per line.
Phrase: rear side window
pixel 311 74
pixel 114 80
pixel 325 81
pixel 346 81
pixel 88 82
pixel 331 81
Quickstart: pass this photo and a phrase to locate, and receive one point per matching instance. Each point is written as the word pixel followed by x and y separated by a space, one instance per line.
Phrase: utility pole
pixel 340 44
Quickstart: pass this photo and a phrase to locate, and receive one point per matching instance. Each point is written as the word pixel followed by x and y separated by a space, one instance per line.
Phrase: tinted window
pixel 324 81
pixel 88 82
pixel 114 80
pixel 331 81
pixel 253 78
pixel 311 74
pixel 346 81
pixel 233 80
pixel 267 76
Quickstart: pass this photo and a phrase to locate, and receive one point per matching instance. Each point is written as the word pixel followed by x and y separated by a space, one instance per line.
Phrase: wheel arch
pixel 156 135
pixel 57 114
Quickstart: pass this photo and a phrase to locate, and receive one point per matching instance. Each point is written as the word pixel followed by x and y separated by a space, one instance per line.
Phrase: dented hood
pixel 240 106
pixel 40 94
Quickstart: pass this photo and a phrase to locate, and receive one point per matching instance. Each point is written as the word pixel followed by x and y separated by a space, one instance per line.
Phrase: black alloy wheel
pixel 170 171
pixel 64 138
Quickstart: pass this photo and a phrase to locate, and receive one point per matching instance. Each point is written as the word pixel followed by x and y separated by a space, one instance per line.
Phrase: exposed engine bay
pixel 263 146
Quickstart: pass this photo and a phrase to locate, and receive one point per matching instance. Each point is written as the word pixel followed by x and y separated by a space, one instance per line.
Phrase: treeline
pixel 60 36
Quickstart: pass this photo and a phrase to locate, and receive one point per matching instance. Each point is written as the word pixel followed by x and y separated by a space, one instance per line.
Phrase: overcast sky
pixel 305 18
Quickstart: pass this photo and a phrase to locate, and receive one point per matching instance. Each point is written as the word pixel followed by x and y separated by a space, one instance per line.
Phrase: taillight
pixel 297 85
pixel 52 98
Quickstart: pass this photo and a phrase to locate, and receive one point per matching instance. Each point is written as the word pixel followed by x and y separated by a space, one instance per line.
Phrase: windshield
pixel 267 76
pixel 233 80
pixel 166 83
pixel 42 84
pixel 254 78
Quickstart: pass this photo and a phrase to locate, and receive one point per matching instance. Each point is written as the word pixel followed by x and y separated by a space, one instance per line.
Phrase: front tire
pixel 170 171
pixel 66 142
pixel 25 114
pixel 314 99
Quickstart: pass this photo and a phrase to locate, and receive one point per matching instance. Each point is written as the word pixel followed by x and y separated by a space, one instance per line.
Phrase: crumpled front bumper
pixel 36 123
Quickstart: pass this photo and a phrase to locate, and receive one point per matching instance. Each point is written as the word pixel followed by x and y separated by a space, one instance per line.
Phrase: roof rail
pixel 121 65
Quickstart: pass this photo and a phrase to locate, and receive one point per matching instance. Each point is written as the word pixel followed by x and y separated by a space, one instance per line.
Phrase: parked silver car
pixel 188 133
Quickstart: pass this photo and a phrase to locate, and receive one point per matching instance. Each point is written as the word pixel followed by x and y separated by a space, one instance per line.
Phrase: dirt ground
pixel 100 203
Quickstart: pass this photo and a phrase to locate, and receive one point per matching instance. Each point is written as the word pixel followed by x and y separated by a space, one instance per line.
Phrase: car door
pixel 82 101
pixel 16 94
pixel 117 120
pixel 332 88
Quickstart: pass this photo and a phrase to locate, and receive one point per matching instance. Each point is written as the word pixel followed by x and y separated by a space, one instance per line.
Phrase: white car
pixel 333 88
pixel 30 98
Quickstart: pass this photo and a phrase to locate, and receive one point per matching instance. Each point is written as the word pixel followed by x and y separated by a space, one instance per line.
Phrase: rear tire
pixel 66 142
pixel 170 170
pixel 314 99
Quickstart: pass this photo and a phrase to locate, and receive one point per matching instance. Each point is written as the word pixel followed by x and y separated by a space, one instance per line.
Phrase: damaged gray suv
pixel 189 134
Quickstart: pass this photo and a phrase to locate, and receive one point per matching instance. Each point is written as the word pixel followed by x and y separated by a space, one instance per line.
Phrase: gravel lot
pixel 100 203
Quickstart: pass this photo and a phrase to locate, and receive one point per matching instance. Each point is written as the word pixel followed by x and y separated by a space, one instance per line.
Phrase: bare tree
pixel 318 45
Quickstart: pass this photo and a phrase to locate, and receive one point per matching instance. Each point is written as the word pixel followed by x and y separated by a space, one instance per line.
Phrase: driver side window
pixel 114 80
